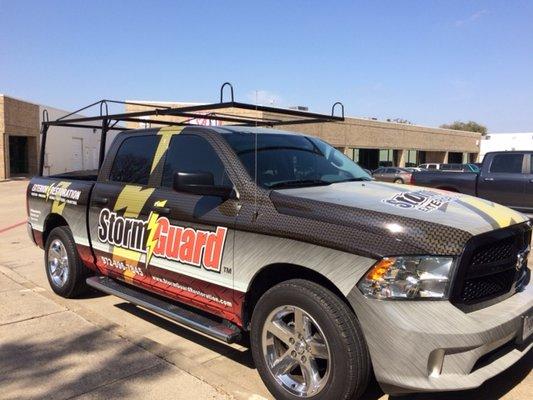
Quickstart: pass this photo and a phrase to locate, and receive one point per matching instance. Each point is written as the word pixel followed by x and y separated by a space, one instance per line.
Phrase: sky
pixel 430 62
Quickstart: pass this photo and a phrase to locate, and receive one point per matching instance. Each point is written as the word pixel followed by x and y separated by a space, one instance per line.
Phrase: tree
pixel 466 126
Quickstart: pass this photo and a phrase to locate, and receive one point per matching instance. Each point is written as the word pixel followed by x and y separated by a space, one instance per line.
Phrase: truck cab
pixel 507 178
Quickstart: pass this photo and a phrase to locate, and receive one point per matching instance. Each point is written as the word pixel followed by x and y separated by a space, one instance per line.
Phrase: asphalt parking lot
pixel 102 347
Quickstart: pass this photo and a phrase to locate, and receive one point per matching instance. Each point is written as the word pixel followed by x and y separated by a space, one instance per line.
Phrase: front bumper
pixel 420 346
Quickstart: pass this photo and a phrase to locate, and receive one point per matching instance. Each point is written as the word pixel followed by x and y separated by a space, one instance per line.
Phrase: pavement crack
pixel 95 388
pixel 31 318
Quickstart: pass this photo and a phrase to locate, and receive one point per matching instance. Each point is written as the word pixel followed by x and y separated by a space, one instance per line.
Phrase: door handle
pixel 161 210
pixel 101 201
pixel 488 179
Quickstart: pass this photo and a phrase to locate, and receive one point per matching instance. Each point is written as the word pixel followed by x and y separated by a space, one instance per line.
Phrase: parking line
pixel 2 230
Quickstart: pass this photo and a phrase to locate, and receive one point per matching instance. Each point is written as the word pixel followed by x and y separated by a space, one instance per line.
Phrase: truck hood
pixel 406 213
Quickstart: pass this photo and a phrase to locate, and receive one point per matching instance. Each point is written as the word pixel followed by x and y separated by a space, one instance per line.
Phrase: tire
pixel 334 348
pixel 398 180
pixel 64 269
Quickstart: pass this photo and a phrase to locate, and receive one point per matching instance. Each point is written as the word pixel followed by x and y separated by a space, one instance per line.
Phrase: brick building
pixel 377 143
pixel 20 127
pixel 369 142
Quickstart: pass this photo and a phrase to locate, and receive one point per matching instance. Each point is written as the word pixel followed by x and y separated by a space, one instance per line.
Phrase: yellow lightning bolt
pixel 48 190
pixel 152 227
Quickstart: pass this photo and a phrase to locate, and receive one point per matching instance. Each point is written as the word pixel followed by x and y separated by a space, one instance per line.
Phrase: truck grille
pixel 489 269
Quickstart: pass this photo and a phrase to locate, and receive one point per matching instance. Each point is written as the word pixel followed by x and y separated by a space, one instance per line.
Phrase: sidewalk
pixel 49 352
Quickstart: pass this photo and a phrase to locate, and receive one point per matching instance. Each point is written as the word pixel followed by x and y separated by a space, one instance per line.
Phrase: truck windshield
pixel 285 160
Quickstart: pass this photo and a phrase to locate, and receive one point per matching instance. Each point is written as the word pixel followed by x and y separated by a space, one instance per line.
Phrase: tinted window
pixel 432 166
pixel 134 160
pixel 473 167
pixel 391 171
pixel 509 163
pixel 285 160
pixel 189 153
pixel 379 171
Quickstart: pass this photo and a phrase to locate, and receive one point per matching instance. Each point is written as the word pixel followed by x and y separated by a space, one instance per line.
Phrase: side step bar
pixel 181 315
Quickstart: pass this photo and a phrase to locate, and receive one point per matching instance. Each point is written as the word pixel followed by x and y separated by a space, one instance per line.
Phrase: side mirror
pixel 200 183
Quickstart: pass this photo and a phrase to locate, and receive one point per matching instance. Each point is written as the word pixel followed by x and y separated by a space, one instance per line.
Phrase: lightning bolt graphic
pixel 152 228
pixel 48 190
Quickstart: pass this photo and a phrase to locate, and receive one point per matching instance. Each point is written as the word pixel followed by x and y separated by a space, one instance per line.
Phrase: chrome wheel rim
pixel 296 351
pixel 58 263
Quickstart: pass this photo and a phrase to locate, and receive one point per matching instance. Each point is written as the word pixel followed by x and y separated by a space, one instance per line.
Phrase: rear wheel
pixel 64 269
pixel 398 180
pixel 307 343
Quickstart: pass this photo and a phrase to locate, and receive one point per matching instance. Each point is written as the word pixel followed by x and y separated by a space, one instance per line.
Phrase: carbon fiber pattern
pixel 357 231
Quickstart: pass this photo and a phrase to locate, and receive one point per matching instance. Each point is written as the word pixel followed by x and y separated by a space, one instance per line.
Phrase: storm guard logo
pixel 422 200
pixel 157 237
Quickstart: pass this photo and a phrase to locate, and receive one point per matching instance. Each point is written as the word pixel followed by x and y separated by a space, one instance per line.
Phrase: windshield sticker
pixel 422 200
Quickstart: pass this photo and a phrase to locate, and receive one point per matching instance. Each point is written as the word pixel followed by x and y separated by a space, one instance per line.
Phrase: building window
pixel 355 155
pixel 411 158
pixel 386 158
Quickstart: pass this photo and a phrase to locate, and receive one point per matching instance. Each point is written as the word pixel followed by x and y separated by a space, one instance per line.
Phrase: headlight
pixel 408 278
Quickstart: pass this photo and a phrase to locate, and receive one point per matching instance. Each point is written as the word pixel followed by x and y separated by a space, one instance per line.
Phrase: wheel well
pixel 273 274
pixel 51 222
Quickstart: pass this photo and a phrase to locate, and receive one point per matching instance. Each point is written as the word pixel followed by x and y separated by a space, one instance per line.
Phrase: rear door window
pixel 507 163
pixel 133 160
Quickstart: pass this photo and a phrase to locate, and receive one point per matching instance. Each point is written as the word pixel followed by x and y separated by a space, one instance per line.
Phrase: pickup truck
pixel 505 178
pixel 237 230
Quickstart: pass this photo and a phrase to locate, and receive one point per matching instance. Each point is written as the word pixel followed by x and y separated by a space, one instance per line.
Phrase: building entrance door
pixel 18 155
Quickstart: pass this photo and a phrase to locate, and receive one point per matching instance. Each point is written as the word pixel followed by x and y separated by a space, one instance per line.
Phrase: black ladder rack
pixel 271 116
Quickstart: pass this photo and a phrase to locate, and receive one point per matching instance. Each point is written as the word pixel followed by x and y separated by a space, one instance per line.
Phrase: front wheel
pixel 307 343
pixel 64 268
pixel 398 180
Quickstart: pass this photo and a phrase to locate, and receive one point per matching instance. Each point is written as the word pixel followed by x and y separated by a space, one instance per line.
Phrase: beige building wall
pixel 19 118
pixel 2 141
pixel 362 133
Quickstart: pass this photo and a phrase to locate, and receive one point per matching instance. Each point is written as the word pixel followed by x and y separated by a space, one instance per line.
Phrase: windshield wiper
pixel 299 183
pixel 354 180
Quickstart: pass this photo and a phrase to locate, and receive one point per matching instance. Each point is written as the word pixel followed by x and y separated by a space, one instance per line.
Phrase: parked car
pixel 412 169
pixel 459 167
pixel 429 166
pixel 238 230
pixel 505 178
pixel 392 174
pixel 469 167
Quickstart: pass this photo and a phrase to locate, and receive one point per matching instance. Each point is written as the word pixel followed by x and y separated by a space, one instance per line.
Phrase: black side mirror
pixel 200 183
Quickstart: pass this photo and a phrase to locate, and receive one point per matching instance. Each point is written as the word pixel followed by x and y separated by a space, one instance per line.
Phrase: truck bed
pixel 88 175
pixel 461 182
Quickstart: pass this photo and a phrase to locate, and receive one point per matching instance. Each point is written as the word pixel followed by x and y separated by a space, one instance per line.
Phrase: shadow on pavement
pixel 242 357
pixel 44 366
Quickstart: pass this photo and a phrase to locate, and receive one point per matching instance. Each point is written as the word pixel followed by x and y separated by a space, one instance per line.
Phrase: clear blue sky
pixel 430 62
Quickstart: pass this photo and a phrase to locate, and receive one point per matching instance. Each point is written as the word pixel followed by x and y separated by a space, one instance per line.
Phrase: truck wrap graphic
pixel 158 237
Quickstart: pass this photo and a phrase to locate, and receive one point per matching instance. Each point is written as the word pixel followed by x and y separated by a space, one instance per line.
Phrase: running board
pixel 190 319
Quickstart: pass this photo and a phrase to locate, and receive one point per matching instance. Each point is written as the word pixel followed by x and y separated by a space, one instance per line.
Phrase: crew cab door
pixel 502 179
pixel 120 205
pixel 191 252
